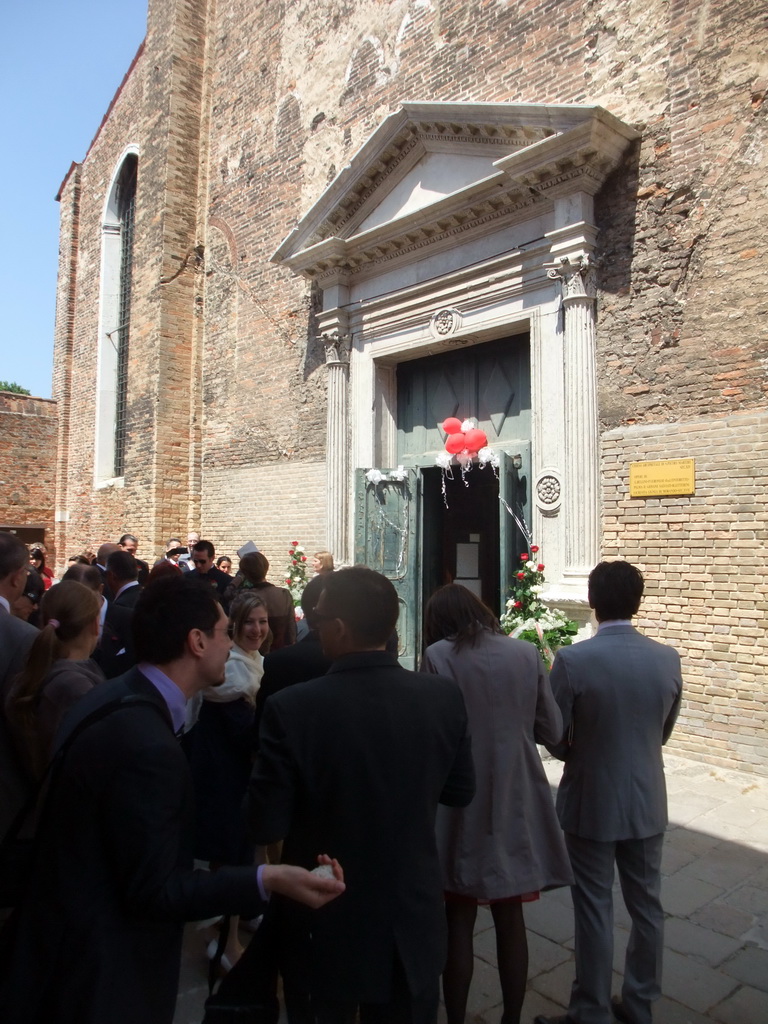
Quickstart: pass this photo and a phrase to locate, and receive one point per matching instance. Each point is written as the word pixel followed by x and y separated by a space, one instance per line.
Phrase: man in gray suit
pixel 16 638
pixel 619 694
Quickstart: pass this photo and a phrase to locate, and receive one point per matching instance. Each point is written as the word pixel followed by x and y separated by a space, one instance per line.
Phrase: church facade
pixel 306 234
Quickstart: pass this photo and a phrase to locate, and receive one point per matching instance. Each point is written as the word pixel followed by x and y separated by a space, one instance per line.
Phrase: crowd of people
pixel 349 827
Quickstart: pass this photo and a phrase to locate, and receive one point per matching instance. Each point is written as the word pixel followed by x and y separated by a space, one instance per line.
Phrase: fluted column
pixel 337 446
pixel 581 498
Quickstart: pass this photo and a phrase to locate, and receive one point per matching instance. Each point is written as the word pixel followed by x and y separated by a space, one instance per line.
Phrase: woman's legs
pixel 457 975
pixel 512 955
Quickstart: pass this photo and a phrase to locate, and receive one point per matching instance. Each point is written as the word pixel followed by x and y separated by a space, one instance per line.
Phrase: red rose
pixel 294 543
pixel 521 575
pixel 534 548
pixel 290 552
pixel 518 604
pixel 294 561
pixel 539 567
pixel 524 556
pixel 303 558
pixel 288 579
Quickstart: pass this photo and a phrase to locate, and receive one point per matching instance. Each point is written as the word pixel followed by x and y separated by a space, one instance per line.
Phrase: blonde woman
pixel 220 748
pixel 57 673
pixel 322 562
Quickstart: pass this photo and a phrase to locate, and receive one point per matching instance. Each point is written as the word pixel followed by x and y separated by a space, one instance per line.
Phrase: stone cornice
pixel 543 153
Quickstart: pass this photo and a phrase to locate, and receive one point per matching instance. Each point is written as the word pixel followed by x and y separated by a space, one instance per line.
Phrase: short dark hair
pixel 206 546
pixel 127 537
pixel 309 598
pixel 615 590
pixel 454 612
pixel 165 614
pixel 13 554
pixel 254 566
pixel 123 565
pixel 34 588
pixel 83 573
pixel 164 568
pixel 365 600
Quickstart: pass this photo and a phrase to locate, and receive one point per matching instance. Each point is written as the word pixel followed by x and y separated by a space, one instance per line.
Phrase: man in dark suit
pixel 619 694
pixel 297 662
pixel 98 936
pixel 203 554
pixel 130 544
pixel 122 579
pixel 105 550
pixel 16 638
pixel 360 759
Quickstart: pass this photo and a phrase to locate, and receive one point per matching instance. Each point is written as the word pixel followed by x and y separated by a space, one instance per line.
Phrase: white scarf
pixel 242 677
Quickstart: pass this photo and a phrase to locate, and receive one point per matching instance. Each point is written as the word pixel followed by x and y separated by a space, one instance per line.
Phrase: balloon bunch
pixel 465 443
pixel 463 438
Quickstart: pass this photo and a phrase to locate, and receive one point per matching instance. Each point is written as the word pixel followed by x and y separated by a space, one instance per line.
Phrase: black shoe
pixel 619 1011
pixel 563 1019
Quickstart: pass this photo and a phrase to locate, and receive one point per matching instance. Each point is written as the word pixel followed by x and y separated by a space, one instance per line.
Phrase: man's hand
pixel 304 886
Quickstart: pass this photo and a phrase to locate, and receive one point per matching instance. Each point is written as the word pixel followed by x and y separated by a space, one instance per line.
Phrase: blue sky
pixel 60 64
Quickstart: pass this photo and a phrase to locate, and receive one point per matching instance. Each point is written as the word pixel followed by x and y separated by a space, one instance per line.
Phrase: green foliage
pixel 528 618
pixel 17 389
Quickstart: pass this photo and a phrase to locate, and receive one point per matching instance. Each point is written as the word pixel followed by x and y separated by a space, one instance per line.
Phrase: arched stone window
pixel 115 321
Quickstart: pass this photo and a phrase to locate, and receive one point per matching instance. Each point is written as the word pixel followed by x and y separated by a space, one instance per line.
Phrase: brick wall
pixel 28 433
pixel 245 110
pixel 270 505
pixel 705 560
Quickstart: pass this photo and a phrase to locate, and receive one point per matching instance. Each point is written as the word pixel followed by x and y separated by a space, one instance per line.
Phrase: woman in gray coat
pixel 506 846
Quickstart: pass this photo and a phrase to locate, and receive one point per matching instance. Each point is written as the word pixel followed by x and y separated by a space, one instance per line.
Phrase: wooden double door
pixel 437 527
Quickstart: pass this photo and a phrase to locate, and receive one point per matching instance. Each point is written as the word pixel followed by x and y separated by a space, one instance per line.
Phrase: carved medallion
pixel 445 323
pixel 548 491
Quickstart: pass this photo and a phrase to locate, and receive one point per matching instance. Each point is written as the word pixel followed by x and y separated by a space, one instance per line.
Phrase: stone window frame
pixel 107 395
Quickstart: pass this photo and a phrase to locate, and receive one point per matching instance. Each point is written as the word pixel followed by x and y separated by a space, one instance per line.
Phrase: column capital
pixel 576 276
pixel 337 345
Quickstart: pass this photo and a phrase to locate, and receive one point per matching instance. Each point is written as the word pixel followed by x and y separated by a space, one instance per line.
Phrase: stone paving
pixel 715 894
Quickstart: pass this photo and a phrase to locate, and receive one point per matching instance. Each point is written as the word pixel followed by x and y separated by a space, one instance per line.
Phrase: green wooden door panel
pixel 515 512
pixel 489 383
pixel 387 533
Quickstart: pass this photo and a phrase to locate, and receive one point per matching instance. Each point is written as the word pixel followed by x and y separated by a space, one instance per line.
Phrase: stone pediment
pixel 432 170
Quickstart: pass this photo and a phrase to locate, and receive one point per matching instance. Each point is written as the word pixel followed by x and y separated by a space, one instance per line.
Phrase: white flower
pixel 486 455
pixel 530 565
pixel 443 460
pixel 537 588
pixel 467 425
pixel 400 473
pixel 299 548
pixel 374 476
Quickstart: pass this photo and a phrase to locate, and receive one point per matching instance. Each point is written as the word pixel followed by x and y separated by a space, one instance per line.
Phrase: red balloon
pixel 475 440
pixel 455 443
pixel 452 425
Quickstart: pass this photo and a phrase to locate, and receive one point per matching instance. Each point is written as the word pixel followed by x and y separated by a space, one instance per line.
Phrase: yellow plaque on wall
pixel 666 477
